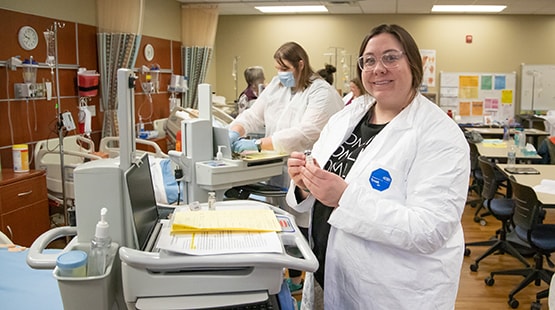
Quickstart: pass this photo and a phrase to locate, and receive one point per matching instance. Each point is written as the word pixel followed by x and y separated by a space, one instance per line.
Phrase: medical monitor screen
pixel 143 201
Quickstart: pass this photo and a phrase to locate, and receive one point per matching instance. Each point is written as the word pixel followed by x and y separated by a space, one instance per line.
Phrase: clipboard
pixel 263 157
pixel 522 170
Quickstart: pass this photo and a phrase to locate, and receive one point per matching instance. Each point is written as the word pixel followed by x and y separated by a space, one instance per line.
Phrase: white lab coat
pixel 294 121
pixel 396 241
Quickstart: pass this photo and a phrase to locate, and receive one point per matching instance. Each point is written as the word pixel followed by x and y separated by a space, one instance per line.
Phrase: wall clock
pixel 149 52
pixel 28 38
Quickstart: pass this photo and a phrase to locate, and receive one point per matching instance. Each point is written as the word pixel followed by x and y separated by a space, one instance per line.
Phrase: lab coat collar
pixel 403 121
pixel 405 118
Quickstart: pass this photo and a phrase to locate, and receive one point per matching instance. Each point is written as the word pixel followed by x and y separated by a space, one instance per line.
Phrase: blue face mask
pixel 286 78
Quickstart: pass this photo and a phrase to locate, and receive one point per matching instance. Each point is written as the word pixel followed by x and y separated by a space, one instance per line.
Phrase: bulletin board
pixel 537 88
pixel 478 97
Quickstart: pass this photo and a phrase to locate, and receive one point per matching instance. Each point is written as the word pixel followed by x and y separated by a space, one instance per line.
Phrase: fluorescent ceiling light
pixel 292 9
pixel 469 8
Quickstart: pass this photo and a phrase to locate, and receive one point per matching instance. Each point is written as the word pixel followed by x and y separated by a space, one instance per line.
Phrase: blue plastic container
pixel 72 264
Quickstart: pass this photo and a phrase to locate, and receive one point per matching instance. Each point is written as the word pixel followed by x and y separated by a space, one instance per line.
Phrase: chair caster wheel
pixel 477 219
pixel 466 252
pixel 474 267
pixel 489 281
pixel 513 303
pixel 536 306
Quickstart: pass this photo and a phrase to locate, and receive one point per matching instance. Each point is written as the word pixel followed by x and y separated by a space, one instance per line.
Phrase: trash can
pixel 98 292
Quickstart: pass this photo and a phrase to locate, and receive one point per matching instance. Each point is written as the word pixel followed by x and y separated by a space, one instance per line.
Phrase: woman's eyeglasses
pixel 389 60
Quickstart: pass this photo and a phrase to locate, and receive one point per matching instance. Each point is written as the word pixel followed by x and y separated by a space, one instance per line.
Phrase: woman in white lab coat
pixel 395 180
pixel 293 109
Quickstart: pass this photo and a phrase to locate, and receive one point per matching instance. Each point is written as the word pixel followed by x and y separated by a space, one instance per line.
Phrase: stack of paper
pixel 236 220
pixel 498 143
pixel 546 186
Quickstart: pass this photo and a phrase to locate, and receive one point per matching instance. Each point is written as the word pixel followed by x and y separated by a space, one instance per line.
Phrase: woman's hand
pixel 325 186
pixel 295 163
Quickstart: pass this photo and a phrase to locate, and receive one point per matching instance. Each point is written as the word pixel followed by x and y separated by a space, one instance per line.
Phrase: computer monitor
pixel 142 199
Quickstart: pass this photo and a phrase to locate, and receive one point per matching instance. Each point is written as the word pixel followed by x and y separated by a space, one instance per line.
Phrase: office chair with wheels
pixel 477 174
pixel 528 217
pixel 501 208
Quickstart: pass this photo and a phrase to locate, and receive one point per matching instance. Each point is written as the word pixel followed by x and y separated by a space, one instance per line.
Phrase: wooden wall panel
pixel 36 119
pixel 87 47
pixel 176 54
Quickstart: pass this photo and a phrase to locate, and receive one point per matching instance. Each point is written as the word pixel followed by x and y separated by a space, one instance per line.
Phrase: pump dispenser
pixel 100 247
pixel 219 154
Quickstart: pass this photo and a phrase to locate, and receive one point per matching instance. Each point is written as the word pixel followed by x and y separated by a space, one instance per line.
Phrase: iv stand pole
pixel 533 90
pixel 60 123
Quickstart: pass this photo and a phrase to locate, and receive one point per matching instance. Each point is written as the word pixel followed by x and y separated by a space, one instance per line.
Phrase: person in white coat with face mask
pixel 293 109
pixel 391 190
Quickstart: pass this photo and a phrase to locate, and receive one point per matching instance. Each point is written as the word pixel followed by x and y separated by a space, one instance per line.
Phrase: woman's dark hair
pixel 327 73
pixel 410 49
pixel 294 53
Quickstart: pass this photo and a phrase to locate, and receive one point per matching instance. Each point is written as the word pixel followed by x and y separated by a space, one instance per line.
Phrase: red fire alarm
pixel 468 38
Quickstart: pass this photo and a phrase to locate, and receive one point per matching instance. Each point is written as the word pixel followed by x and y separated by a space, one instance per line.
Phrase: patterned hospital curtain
pixel 115 50
pixel 199 23
pixel 118 40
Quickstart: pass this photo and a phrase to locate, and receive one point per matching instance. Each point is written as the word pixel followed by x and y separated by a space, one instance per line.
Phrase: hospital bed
pixel 22 287
pixel 172 124
pixel 166 187
pixel 76 149
pixel 110 146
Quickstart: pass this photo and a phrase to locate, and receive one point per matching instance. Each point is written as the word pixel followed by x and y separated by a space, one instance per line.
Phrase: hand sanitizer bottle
pixel 100 247
pixel 511 154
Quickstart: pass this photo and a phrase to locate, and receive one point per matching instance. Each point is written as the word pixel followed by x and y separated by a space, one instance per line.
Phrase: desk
pixel 498 150
pixel 531 133
pixel 546 172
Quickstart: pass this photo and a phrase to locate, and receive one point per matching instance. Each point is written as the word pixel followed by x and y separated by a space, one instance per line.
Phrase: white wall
pixel 501 42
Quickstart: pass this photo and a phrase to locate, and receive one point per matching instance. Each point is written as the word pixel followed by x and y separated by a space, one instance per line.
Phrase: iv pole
pixel 60 122
pixel 533 89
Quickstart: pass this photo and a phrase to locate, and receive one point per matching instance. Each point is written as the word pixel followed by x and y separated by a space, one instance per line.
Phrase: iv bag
pixel 50 48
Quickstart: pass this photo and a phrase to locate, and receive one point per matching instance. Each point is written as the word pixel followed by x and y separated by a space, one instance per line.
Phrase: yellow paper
pixel 253 220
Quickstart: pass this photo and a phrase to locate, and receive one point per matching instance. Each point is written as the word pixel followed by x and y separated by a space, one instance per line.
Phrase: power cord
pixel 178 173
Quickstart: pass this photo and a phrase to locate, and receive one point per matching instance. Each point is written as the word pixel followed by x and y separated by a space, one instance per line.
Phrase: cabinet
pixel 24 211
